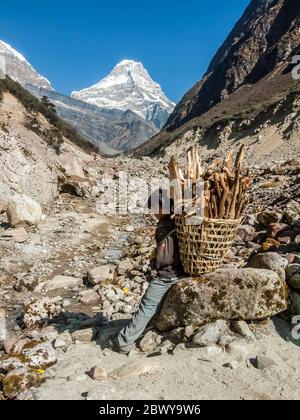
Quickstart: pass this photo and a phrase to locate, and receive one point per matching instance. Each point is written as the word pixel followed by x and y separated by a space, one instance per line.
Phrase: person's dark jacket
pixel 168 263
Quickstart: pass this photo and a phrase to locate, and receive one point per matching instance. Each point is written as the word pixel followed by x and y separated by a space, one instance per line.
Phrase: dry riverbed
pixel 71 241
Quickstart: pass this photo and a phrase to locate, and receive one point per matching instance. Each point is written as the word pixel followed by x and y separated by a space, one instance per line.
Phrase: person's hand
pixel 153 258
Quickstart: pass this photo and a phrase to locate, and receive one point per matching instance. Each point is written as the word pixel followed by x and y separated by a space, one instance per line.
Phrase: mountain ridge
pixel 16 66
pixel 264 36
pixel 244 89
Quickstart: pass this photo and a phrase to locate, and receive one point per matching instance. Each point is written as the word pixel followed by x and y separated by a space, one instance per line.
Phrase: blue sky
pixel 76 43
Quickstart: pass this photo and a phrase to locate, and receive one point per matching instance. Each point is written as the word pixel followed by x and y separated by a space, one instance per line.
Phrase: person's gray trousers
pixel 150 306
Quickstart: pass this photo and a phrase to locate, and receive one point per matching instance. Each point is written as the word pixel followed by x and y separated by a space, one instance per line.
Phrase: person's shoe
pixel 114 345
pixel 134 352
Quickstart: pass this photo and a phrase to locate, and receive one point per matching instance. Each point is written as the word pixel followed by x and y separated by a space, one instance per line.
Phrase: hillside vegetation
pixel 32 104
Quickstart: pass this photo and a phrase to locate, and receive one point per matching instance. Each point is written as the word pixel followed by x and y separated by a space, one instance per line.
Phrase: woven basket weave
pixel 204 247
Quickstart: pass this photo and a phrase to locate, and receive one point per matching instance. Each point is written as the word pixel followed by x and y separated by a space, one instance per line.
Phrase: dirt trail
pixel 196 374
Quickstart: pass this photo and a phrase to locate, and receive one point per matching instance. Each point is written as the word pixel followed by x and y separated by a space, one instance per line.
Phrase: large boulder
pixel 229 294
pixel 23 211
pixel 74 180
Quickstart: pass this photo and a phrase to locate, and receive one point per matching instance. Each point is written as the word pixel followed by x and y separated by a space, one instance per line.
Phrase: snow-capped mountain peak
pixel 6 48
pixel 15 65
pixel 130 87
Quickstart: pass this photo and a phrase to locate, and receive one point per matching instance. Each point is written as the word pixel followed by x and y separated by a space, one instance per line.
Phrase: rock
pixel 73 179
pixel 20 380
pixel 20 344
pixel 103 274
pixel 270 261
pixel 28 283
pixel 210 334
pixel 25 396
pixel 177 335
pixel 297 239
pixel 35 355
pixel 13 362
pixel 62 282
pixel 264 362
pixel 72 167
pixel 150 342
pixel 238 351
pixel 250 219
pixel 225 340
pixel 63 341
pixel 267 218
pixel 8 344
pixel 270 244
pixel 245 294
pixel 3 206
pixel 91 298
pixel 295 303
pixel 292 213
pixel 246 233
pixel 276 229
pixel 23 211
pixel 18 235
pixel 127 309
pixel 84 336
pixel 166 347
pixel 134 368
pixel 98 374
pixel 293 276
pixel 242 328
pixel 39 311
pixel 287 237
pixel 39 355
pixel 125 266
pixel 189 331
pixel 33 335
pixel 260 237
pixel 2 313
pixel 49 334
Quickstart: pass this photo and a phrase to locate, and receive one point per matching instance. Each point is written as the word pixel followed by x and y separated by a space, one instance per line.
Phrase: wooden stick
pixel 217 184
pixel 215 207
pixel 240 159
pixel 222 207
pixel 229 162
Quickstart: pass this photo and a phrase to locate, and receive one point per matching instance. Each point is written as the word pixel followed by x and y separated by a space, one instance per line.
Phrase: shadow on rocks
pixel 97 329
pixel 285 331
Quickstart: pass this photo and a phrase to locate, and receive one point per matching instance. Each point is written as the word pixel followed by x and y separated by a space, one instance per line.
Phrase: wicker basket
pixel 203 247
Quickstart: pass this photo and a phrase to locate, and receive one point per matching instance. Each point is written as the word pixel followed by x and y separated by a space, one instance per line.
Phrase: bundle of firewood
pixel 219 192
